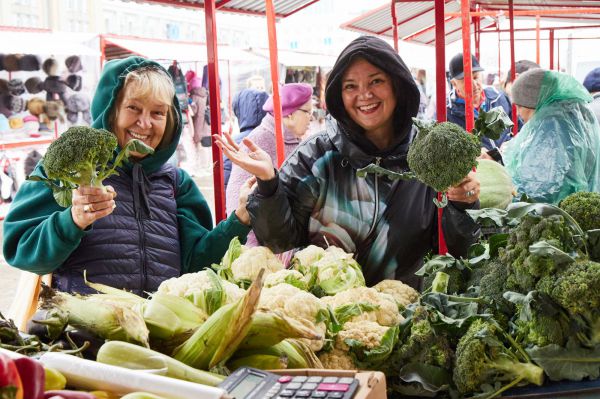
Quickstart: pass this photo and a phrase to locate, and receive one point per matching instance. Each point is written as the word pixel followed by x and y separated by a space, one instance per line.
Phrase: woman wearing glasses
pixel 296 106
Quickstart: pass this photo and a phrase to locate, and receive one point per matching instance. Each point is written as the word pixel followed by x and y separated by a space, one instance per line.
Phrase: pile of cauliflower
pixel 323 289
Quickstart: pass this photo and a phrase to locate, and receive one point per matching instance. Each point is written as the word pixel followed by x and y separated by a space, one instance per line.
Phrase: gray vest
pixel 137 246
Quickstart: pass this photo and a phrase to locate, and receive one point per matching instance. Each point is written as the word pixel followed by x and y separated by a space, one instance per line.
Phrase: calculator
pixel 250 383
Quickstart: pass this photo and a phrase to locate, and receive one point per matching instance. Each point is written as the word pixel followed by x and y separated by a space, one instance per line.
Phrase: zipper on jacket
pixel 376 213
pixel 142 246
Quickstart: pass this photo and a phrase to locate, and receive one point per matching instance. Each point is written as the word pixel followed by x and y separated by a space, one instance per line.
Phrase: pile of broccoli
pixel 585 208
pixel 83 156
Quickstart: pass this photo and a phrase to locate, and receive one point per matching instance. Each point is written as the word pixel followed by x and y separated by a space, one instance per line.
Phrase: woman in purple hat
pixel 296 107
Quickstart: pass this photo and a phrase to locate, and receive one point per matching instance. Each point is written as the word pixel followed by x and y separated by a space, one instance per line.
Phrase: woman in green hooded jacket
pixel 152 223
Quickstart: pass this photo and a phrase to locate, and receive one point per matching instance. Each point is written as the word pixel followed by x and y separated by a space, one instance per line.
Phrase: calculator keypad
pixel 315 387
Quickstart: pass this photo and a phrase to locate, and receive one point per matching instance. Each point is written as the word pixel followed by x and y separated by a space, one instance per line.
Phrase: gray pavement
pixel 9 276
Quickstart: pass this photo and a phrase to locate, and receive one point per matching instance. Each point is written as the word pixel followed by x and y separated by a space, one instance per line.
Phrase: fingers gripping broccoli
pixel 443 155
pixel 82 156
pixel 486 353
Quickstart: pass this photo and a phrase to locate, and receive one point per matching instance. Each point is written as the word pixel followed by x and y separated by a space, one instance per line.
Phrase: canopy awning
pixel 46 42
pixel 283 8
pixel 415 22
pixel 158 49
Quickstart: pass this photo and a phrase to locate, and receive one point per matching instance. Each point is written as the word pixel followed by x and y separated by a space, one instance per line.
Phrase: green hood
pixel 111 82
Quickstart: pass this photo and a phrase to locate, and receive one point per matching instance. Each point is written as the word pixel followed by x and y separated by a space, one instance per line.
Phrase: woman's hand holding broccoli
pixel 91 203
pixel 256 161
pixel 466 191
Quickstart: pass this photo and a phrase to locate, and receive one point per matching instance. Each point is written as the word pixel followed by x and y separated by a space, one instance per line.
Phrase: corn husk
pixel 270 328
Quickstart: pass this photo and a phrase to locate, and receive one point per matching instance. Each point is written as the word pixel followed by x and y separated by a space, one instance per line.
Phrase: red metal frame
pixel 394 25
pixel 275 81
pixel 515 116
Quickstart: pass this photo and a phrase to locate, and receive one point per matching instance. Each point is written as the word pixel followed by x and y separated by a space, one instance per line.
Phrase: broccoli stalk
pixel 82 156
pixel 486 353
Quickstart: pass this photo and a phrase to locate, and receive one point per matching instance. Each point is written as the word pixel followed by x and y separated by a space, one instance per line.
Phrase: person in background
pixel 148 224
pixel 317 198
pixel 248 109
pixel 592 84
pixel 484 98
pixel 201 155
pixel 521 66
pixel 557 152
pixel 296 110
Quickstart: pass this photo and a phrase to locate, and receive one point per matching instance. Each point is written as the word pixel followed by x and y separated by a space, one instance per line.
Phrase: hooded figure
pixel 318 199
pixel 160 225
pixel 557 152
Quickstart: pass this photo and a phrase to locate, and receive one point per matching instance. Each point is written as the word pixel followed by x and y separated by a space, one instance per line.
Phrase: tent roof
pixel 416 18
pixel 46 42
pixel 283 8
pixel 159 49
pixel 415 22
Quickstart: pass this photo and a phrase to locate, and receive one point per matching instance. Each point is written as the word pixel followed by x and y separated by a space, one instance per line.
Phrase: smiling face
pixel 459 86
pixel 141 114
pixel 369 99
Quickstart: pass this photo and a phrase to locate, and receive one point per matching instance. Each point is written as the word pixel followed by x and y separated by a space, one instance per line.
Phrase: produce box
pixel 371 383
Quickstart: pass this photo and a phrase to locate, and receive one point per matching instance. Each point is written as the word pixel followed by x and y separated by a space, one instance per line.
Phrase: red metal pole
pixel 215 107
pixel 275 80
pixel 558 55
pixel 537 39
pixel 551 43
pixel 477 25
pixel 102 51
pixel 511 17
pixel 467 65
pixel 395 25
pixel 440 96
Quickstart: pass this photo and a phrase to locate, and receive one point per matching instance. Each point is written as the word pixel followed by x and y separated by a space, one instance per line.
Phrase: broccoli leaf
pixel 491 124
pixel 545 249
pixel 378 170
pixel 570 363
pixel 425 379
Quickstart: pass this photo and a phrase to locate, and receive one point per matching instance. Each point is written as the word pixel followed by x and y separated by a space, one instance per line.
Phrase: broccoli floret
pixel 81 156
pixel 577 290
pixel 525 268
pixel 482 356
pixel 492 287
pixel 456 280
pixel 443 155
pixel 584 207
pixel 539 321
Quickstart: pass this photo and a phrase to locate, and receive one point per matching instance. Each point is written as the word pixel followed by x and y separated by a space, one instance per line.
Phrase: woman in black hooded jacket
pixel 316 198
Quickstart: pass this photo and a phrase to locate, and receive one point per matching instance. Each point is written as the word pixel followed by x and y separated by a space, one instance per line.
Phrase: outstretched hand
pixel 256 161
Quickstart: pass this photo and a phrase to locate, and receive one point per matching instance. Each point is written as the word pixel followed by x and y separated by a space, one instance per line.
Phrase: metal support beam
pixel 270 10
pixel 394 24
pixel 513 73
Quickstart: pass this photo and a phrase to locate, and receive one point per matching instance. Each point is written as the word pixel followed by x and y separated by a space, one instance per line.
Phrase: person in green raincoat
pixel 150 224
pixel 557 152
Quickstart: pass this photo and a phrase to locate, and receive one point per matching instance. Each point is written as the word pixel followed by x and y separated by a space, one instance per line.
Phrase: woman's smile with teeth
pixel 138 136
pixel 368 107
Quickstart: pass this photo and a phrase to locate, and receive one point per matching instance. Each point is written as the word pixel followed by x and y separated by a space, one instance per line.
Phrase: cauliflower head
pixel 297 304
pixel 288 276
pixel 403 294
pixel 367 332
pixel 336 359
pixel 251 260
pixel 304 259
pixel 386 314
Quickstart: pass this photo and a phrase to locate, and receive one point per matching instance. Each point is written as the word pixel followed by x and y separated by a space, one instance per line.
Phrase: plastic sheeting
pixel 557 152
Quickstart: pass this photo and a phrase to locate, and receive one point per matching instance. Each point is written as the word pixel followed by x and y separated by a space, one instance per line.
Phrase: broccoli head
pixel 443 155
pixel 492 286
pixel 486 353
pixel 82 156
pixel 584 207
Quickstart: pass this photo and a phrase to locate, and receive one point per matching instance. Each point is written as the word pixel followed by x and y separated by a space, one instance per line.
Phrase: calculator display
pixel 246 386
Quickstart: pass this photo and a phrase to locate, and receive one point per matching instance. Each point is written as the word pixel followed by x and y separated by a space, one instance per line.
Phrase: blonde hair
pixel 150 82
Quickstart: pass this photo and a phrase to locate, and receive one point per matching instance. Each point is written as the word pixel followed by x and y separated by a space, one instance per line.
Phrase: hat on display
pixel 31 125
pixel 50 66
pixel 195 83
pixel 455 68
pixel 3 86
pixel 592 80
pixel 74 82
pixel 54 110
pixel 35 106
pixel 34 85
pixel 16 87
pixel 293 96
pixel 526 89
pixel 30 62
pixel 16 104
pixel 15 122
pixel 11 62
pixel 73 64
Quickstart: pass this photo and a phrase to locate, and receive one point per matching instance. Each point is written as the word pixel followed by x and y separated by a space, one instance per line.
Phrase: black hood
pixel 384 57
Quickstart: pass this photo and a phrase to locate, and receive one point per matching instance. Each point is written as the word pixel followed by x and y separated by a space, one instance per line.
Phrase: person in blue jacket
pixel 248 109
pixel 484 98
